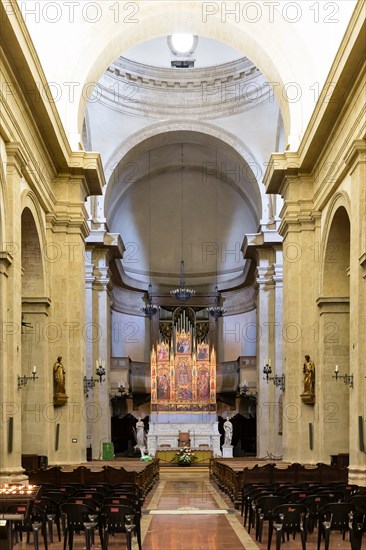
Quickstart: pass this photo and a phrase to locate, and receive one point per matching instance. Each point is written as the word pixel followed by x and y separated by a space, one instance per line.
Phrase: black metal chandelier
pixel 216 311
pixel 149 309
pixel 182 293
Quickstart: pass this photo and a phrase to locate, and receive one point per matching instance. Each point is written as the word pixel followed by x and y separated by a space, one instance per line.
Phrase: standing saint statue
pixel 60 396
pixel 228 427
pixel 140 435
pixel 308 396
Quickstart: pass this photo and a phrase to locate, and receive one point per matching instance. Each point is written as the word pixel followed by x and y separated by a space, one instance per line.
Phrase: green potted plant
pixel 185 457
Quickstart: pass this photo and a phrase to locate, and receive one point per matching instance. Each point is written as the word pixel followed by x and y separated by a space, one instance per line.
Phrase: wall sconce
pixel 23 380
pixel 347 378
pixel 244 390
pixel 123 389
pixel 89 383
pixel 278 381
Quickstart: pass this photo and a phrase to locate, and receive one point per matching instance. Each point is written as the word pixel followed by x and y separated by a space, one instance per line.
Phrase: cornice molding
pixel 211 92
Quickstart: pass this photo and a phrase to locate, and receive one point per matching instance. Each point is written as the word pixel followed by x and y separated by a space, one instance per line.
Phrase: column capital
pixel 355 154
pixel 16 156
pixel 68 218
pixel 6 260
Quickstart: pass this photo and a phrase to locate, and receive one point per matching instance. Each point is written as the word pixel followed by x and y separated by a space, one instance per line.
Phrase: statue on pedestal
pixel 308 396
pixel 59 397
pixel 228 427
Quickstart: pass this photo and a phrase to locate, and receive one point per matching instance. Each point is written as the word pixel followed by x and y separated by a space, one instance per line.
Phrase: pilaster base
pixel 357 475
pixel 13 475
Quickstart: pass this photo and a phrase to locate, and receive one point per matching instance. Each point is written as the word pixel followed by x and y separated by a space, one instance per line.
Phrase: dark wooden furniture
pixel 143 474
pixel 229 475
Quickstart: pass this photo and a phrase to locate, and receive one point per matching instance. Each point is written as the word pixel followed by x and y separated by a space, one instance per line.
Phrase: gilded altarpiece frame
pixel 181 379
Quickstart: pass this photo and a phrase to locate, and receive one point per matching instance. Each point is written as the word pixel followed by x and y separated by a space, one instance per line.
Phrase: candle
pixel 336 368
pixel 269 362
pixel 34 369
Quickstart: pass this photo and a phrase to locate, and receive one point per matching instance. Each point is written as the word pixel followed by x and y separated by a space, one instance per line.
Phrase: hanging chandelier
pixel 216 311
pixel 182 293
pixel 149 309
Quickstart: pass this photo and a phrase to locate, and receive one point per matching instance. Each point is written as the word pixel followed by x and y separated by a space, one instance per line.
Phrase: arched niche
pixel 337 256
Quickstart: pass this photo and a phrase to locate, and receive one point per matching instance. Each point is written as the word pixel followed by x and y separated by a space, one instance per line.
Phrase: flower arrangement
pixel 185 456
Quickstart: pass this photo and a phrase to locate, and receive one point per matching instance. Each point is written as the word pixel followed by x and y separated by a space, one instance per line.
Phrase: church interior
pixel 183 255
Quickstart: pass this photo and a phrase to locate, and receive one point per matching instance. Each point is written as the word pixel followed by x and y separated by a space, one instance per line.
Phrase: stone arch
pixel 137 140
pixel 334 324
pixel 254 43
pixel 32 248
pixel 336 248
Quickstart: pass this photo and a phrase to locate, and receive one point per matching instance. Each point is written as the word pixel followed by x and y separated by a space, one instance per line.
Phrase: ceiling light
pixel 182 44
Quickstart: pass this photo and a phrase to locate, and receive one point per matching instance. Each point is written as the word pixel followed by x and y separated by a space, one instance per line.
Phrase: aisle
pixel 186 513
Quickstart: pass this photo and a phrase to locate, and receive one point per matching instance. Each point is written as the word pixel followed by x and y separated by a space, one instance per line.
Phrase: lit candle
pixel 34 369
pixel 336 368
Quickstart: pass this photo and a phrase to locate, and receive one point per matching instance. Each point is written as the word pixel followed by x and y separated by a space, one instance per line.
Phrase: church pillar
pixel 301 268
pixel 66 232
pixel 11 346
pixel 356 161
pixel 265 248
pixel 268 395
pixel 101 248
pixel 99 423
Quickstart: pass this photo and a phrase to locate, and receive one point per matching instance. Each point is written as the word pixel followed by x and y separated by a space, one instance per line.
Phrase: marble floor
pixel 185 511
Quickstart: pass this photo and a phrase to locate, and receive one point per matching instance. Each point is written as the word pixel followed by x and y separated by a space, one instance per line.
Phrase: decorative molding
pixel 6 260
pixel 36 305
pixel 157 92
pixel 333 304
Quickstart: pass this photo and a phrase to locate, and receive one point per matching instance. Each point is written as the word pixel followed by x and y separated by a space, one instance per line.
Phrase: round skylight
pixel 182 42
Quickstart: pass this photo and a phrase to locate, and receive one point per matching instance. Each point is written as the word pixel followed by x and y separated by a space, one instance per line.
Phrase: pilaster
pixel 356 162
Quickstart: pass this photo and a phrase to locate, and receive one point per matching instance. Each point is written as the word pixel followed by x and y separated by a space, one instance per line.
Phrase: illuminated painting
pixel 203 384
pixel 183 380
pixel 202 352
pixel 163 383
pixel 183 342
pixel 163 352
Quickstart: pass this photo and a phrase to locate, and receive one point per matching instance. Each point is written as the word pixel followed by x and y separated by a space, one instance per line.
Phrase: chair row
pixel 111 518
pixel 143 474
pixel 53 506
pixel 229 475
pixel 290 519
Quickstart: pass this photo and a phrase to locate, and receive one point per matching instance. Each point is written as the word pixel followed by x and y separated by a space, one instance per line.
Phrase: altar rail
pixel 230 475
pixel 143 474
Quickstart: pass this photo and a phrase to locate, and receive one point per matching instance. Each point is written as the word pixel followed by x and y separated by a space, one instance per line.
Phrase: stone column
pixel 102 247
pixel 356 161
pixel 300 229
pixel 267 393
pixel 266 249
pixel 66 232
pixel 10 295
pixel 99 423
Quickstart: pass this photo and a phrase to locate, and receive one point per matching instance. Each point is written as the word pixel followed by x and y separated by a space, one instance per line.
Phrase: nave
pixel 185 511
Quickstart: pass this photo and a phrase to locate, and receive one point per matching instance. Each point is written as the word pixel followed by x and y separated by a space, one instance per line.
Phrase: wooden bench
pixel 143 474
